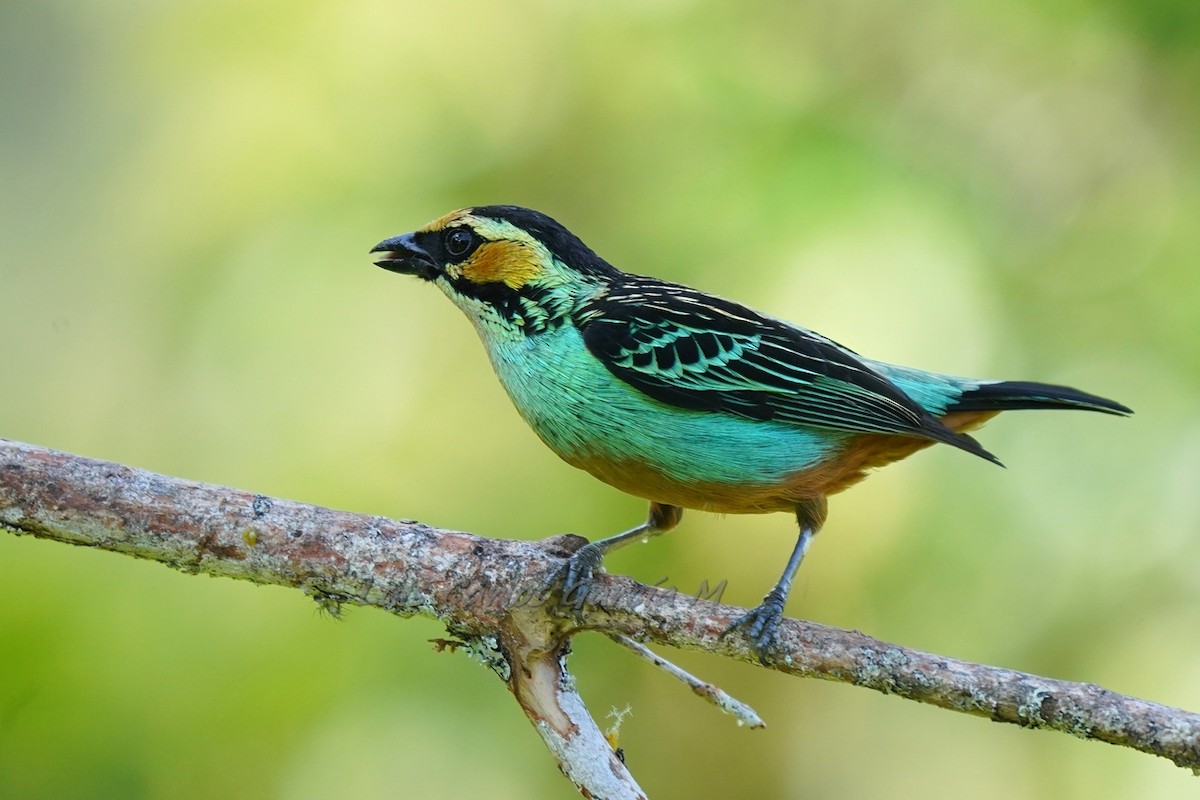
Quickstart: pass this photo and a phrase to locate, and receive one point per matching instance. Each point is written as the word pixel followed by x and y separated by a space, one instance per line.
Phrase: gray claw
pixel 581 567
pixel 761 623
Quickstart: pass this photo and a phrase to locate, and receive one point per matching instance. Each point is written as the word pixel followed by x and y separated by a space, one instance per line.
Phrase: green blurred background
pixel 187 195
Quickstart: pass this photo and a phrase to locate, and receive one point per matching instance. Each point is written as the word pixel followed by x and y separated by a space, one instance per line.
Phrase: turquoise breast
pixel 583 412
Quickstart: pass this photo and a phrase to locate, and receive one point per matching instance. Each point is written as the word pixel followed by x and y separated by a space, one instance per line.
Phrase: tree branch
pixel 497 597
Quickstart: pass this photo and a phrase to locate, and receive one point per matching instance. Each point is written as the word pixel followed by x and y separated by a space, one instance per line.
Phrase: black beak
pixel 402 254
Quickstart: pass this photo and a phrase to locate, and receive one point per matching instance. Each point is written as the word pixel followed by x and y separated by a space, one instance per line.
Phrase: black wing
pixel 701 352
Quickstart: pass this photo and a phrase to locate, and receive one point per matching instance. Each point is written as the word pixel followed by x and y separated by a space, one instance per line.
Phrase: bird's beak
pixel 402 254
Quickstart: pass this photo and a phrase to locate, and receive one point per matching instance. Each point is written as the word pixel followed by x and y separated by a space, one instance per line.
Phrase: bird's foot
pixel 581 568
pixel 761 623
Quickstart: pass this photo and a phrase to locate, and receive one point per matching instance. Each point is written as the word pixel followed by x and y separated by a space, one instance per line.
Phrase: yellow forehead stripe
pixel 503 261
pixel 447 220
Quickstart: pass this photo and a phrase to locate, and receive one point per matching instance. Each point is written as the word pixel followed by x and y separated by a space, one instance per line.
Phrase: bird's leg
pixel 763 620
pixel 587 559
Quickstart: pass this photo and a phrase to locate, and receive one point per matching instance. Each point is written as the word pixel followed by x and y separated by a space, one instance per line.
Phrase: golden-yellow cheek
pixel 510 263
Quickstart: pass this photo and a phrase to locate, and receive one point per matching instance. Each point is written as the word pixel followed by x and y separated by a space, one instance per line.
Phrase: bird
pixel 687 399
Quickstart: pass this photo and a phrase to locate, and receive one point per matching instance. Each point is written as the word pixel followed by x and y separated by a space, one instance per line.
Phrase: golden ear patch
pixel 503 261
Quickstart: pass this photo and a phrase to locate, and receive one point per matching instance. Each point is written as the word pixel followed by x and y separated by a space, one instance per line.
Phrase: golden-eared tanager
pixel 684 398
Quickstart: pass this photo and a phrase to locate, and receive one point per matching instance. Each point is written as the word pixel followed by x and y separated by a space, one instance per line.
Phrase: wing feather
pixel 696 351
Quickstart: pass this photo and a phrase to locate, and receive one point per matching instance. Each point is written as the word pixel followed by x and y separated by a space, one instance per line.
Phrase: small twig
pixel 744 714
pixel 538 678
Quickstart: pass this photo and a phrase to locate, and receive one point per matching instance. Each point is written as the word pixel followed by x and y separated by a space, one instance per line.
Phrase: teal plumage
pixel 683 398
pixel 583 412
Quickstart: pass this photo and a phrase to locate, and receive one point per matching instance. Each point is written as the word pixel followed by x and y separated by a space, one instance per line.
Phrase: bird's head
pixel 515 272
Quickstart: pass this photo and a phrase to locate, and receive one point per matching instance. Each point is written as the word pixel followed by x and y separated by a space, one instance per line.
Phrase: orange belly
pixel 810 486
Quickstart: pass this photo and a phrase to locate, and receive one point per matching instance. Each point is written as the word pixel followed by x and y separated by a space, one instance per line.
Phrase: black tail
pixel 1010 395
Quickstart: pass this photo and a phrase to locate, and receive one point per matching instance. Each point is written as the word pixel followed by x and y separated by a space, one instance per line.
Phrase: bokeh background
pixel 187 194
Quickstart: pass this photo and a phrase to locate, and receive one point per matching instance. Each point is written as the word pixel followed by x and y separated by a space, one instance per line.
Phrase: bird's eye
pixel 458 241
